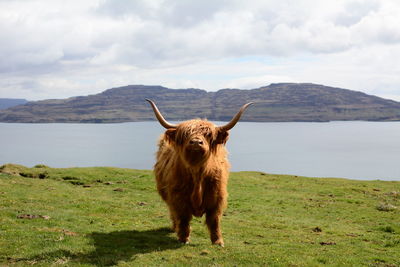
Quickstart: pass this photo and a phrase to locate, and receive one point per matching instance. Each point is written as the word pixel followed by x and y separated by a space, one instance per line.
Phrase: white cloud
pixel 58 48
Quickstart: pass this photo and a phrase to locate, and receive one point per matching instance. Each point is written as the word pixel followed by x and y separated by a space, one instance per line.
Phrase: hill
pixel 11 102
pixel 276 102
pixel 110 216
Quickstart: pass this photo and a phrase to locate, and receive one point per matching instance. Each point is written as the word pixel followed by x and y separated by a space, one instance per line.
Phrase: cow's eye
pixel 208 135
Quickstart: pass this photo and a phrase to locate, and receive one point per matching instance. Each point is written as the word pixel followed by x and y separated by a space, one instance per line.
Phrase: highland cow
pixel 192 172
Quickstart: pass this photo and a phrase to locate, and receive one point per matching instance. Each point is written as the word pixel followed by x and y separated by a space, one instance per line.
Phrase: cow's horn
pixel 160 117
pixel 235 119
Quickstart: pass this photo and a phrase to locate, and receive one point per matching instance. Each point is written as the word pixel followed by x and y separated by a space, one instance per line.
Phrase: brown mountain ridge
pixel 281 102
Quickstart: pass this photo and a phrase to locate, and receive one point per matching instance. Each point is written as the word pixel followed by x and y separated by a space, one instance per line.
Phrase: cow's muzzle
pixel 196 142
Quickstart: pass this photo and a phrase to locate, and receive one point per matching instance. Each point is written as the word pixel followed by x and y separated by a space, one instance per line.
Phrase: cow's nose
pixel 196 142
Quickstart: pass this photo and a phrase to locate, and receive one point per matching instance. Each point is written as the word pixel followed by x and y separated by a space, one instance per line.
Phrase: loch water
pixel 355 150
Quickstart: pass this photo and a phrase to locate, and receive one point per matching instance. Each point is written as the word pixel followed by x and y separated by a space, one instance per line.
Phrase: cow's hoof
pixel 219 242
pixel 184 241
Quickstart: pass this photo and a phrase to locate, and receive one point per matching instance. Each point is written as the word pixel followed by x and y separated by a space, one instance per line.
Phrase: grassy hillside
pixel 110 216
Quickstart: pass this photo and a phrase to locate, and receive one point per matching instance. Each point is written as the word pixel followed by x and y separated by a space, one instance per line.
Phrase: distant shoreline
pixel 280 102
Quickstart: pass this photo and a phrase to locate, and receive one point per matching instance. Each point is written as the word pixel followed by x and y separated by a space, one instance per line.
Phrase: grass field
pixel 109 216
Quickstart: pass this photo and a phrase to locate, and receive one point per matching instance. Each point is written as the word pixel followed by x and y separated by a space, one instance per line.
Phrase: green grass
pixel 110 216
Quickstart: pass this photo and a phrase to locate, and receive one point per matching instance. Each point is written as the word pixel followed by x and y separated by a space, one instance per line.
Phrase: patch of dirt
pixel 317 230
pixel 77 183
pixel 19 170
pixel 386 207
pixel 70 178
pixel 58 230
pixel 204 252
pixel 61 261
pixel 394 194
pixel 352 235
pixel 33 216
pixel 12 169
pixel 327 243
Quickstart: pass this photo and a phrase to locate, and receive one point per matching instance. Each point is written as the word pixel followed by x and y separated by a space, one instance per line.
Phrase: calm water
pixel 357 150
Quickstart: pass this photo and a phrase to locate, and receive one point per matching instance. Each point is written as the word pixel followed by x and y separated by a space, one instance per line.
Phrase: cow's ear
pixel 222 137
pixel 170 134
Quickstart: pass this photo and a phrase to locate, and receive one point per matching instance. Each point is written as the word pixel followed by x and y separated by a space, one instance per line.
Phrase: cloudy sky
pixel 58 49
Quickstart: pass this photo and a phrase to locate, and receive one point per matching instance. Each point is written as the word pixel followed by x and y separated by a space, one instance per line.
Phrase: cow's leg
pixel 181 222
pixel 213 221
pixel 173 220
pixel 183 227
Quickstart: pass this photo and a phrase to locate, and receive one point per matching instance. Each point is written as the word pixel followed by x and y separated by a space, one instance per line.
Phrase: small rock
pixel 142 203
pixel 108 183
pixel 119 190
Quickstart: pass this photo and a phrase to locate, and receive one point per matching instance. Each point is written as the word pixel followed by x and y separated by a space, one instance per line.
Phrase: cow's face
pixel 196 140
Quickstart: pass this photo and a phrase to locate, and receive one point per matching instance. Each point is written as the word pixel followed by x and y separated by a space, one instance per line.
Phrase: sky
pixel 60 49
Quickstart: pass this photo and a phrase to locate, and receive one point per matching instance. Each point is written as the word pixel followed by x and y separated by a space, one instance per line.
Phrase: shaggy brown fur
pixel 192 174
